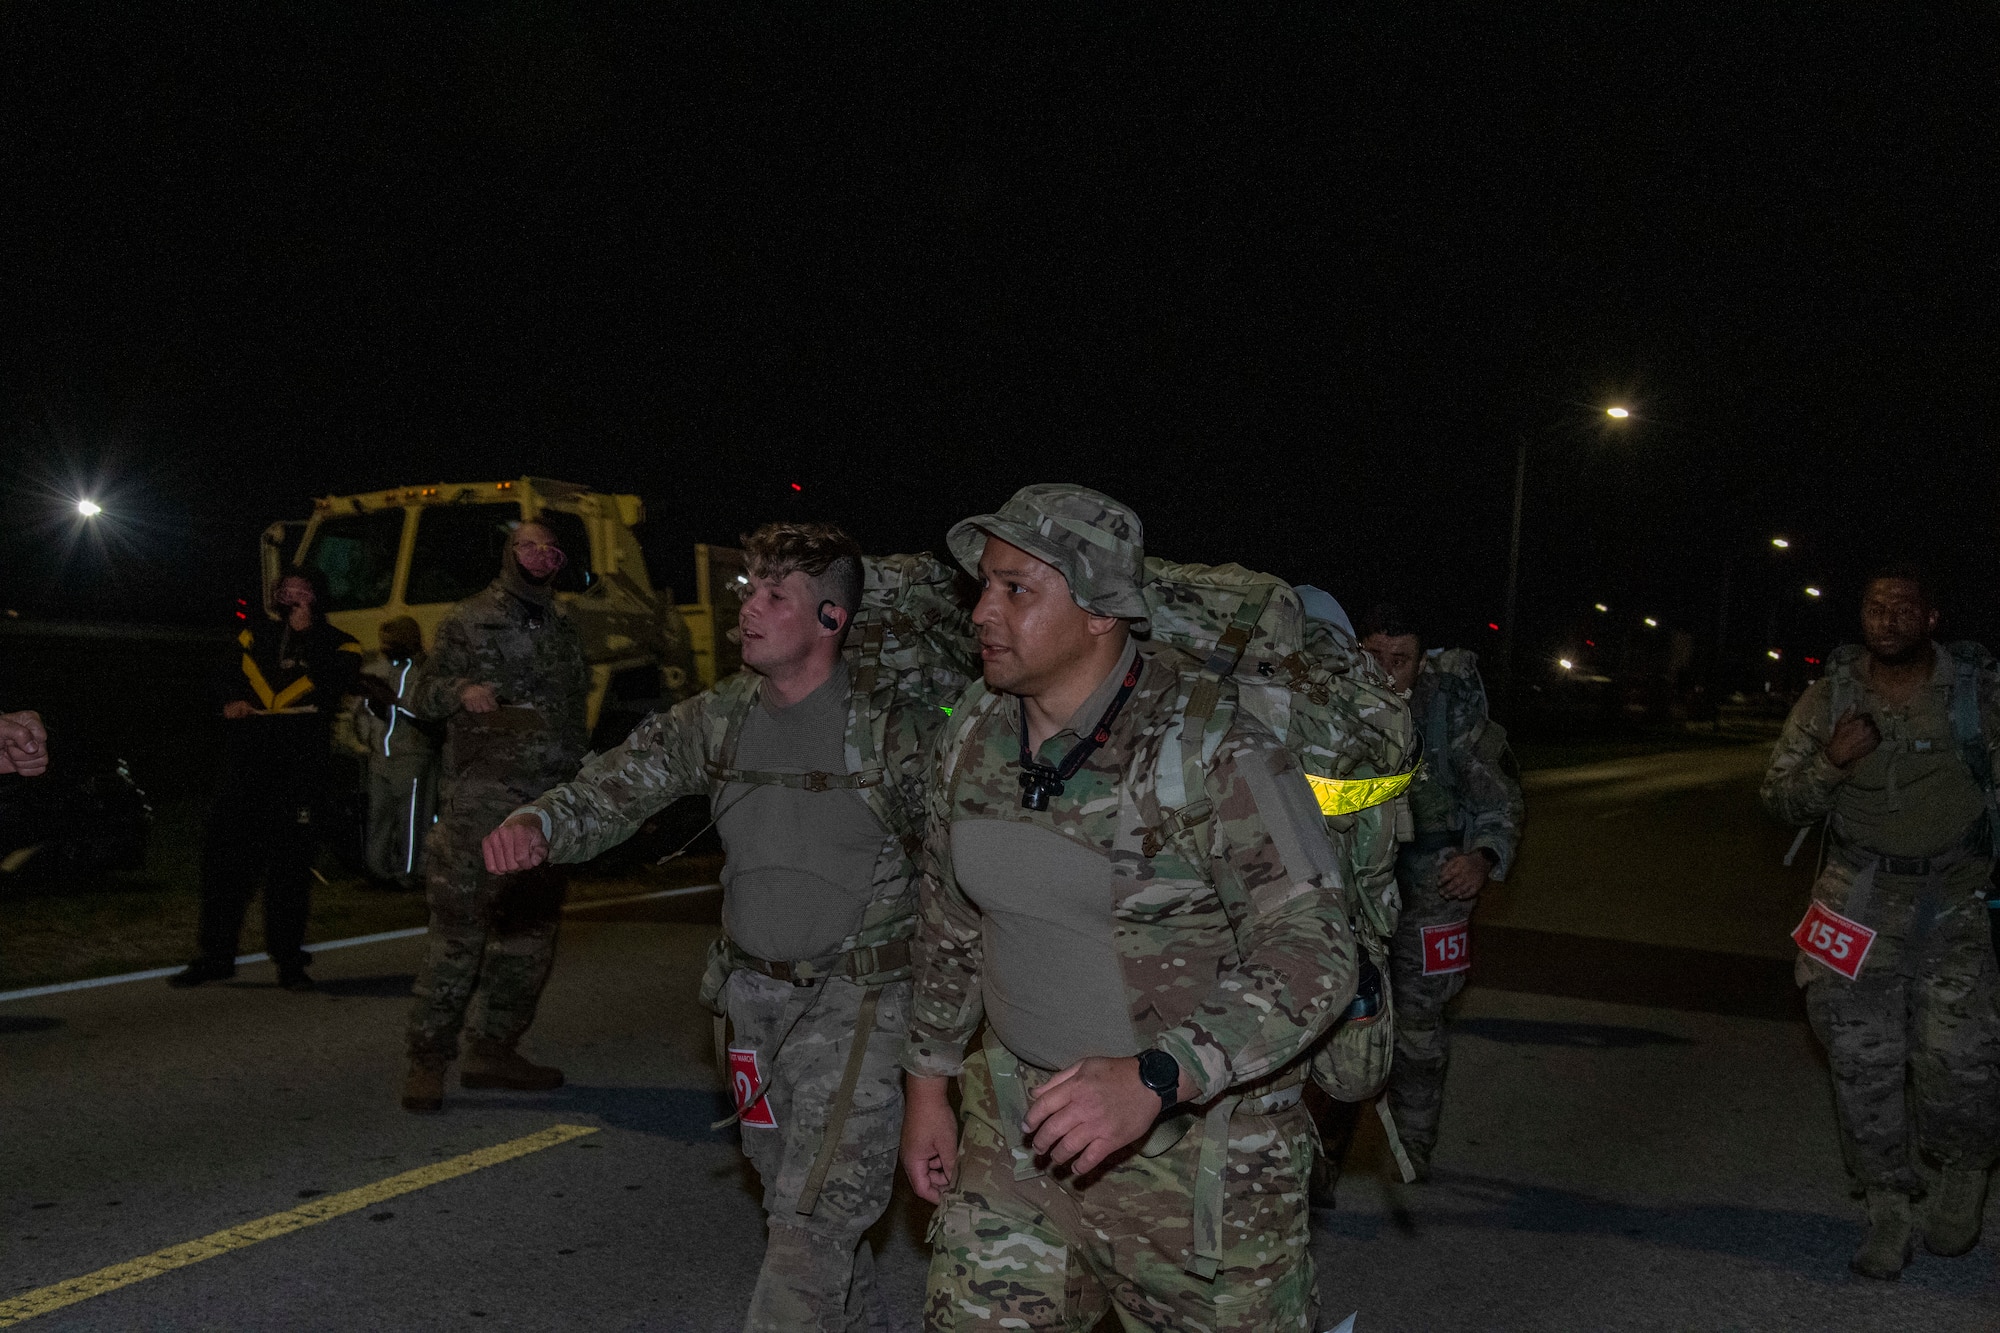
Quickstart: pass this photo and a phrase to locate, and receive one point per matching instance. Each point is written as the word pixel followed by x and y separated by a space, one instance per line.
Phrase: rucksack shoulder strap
pixel 1223 659
pixel 974 704
pixel 1968 731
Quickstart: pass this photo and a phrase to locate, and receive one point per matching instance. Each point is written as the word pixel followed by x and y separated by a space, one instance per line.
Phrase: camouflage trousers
pixel 1914 1041
pixel 819 1272
pixel 1423 1047
pixel 1054 1252
pixel 492 937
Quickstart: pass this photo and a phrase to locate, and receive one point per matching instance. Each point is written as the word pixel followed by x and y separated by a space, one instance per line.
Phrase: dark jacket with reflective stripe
pixel 276 670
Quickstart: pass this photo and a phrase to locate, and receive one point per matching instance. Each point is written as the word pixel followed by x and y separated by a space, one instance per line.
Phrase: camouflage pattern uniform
pixel 1234 954
pixel 1908 856
pixel 799 1016
pixel 493 933
pixel 1463 801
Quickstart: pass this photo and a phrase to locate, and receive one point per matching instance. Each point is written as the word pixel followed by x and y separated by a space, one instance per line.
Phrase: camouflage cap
pixel 1097 543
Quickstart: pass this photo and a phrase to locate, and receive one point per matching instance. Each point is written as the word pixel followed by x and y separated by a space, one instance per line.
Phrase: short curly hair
pixel 823 552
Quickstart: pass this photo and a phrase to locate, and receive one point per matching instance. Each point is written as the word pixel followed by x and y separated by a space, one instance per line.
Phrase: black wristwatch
pixel 1162 1073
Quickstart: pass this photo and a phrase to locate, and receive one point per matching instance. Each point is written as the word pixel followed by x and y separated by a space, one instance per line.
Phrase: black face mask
pixel 537 592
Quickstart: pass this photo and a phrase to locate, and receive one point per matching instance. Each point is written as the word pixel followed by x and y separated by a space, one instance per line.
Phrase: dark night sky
pixel 1290 286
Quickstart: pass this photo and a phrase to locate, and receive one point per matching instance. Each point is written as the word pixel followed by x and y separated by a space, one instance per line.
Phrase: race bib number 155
pixel 1834 940
pixel 1447 948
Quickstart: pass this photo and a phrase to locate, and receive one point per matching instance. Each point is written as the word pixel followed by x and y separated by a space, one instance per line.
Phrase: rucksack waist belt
pixel 1973 845
pixel 870 966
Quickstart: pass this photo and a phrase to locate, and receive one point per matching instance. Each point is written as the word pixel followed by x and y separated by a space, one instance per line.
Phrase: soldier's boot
pixel 423 1086
pixel 1887 1249
pixel 488 1064
pixel 1952 1228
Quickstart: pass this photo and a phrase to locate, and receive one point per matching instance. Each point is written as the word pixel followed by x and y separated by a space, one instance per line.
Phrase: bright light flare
pixel 1812 592
pixel 1781 543
pixel 1773 654
pixel 1618 413
pixel 1565 664
pixel 89 508
pixel 1652 623
pixel 1600 606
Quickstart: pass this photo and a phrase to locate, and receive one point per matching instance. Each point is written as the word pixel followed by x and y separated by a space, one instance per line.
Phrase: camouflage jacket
pixel 533 659
pixel 687 750
pixel 1234 994
pixel 1466 790
pixel 1803 785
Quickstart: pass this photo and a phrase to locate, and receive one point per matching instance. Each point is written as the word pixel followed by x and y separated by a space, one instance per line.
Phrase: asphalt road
pixel 1638 1133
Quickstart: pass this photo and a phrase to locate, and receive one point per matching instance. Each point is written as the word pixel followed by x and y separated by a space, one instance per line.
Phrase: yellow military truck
pixel 416 550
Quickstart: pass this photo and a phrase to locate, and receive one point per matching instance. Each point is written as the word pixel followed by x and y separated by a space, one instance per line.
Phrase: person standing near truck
pixel 401 760
pixel 279 693
pixel 506 675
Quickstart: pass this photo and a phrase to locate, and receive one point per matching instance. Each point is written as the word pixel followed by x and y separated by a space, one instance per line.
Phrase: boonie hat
pixel 1097 543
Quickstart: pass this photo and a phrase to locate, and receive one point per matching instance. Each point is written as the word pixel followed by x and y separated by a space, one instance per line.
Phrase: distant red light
pixel 1493 624
pixel 797 487
pixel 1590 643
pixel 241 616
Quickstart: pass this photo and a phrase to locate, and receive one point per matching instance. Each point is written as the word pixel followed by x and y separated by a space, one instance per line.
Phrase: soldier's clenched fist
pixel 516 845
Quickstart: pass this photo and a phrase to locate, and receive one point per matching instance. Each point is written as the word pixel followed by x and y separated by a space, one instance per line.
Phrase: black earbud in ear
pixel 826 619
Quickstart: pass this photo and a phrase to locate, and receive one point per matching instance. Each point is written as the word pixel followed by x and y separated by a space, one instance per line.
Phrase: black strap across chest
pixel 1039 781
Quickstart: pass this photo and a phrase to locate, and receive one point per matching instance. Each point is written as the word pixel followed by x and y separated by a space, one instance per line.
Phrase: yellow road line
pixel 43 1300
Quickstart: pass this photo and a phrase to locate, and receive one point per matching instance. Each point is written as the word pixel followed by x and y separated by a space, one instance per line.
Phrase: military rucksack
pixel 1330 705
pixel 1968 731
pixel 1458 681
pixel 912 625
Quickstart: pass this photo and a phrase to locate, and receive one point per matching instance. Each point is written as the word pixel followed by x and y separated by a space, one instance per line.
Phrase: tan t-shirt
pixel 800 864
pixel 1053 984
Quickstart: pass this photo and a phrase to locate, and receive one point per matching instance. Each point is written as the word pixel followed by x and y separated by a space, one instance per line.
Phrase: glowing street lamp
pixel 1652 623
pixel 1773 654
pixel 89 508
pixel 1781 543
pixel 1565 663
pixel 1618 413
pixel 1600 606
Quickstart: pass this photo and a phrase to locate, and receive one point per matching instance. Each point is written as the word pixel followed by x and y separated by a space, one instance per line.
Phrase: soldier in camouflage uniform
pixel 1893 747
pixel 1151 965
pixel 1467 813
pixel 507 676
pixel 813 764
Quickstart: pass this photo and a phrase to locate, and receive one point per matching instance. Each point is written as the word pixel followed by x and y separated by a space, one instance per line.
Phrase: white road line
pixel 153 974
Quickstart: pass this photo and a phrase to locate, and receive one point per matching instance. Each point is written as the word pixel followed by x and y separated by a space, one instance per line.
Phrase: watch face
pixel 1159 1071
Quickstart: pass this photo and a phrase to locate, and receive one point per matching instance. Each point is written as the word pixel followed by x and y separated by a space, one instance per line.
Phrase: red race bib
pixel 743 1081
pixel 1447 948
pixel 1834 940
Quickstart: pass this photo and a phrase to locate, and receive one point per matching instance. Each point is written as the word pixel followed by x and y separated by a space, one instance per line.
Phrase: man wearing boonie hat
pixel 1152 963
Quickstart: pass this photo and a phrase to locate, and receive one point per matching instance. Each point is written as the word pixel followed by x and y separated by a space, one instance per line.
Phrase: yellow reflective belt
pixel 1343 796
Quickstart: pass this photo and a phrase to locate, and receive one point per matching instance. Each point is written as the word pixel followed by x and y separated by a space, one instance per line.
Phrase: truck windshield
pixel 357 554
pixel 458 550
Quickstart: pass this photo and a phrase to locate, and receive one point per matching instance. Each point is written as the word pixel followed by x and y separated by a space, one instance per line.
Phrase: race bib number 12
pixel 1447 948
pixel 743 1081
pixel 1831 938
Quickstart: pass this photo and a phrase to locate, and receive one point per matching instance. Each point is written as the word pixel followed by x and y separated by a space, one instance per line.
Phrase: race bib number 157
pixel 1447 948
pixel 1834 940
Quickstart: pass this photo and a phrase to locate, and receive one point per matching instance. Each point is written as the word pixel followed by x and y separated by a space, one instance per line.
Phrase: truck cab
pixel 417 550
